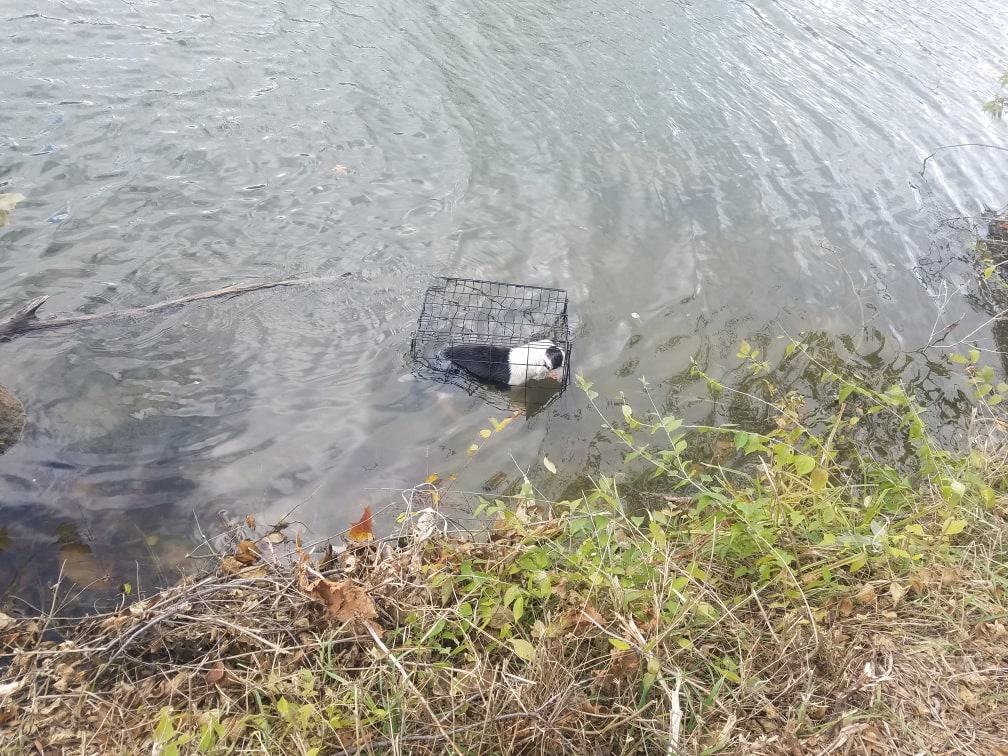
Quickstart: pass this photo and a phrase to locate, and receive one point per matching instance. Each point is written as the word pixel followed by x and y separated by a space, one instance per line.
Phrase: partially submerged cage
pixel 461 311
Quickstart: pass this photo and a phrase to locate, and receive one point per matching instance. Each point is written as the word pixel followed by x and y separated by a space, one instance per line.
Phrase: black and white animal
pixel 508 366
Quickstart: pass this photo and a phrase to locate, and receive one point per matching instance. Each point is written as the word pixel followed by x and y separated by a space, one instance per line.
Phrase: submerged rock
pixel 12 419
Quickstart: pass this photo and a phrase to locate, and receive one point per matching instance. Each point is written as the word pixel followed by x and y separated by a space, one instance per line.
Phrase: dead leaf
pixel 7 689
pixel 967 696
pixel 230 564
pixel 216 673
pixel 7 203
pixel 248 552
pixel 250 521
pixel 896 593
pixel 433 479
pixel 362 530
pixel 346 602
pixel 623 667
pixel 866 595
pixel 579 620
pixel 6 621
pixel 276 537
pixel 845 608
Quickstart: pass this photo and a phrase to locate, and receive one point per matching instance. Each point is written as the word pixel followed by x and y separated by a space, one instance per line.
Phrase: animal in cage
pixel 508 366
pixel 484 336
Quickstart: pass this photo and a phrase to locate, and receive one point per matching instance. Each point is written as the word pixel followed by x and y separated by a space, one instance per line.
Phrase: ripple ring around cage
pixel 459 311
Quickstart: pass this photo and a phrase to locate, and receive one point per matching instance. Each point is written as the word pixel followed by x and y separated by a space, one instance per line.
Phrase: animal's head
pixel 554 357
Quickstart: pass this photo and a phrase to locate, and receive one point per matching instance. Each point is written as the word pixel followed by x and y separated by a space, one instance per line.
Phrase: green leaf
pixel 549 465
pixel 485 433
pixel 657 534
pixel 671 424
pixel 511 594
pixel 619 644
pixel 523 648
pixel 804 464
pixel 741 439
pixel 745 349
pixel 958 359
pixel 627 410
pixel 164 730
pixel 857 563
pixel 819 479
pixel 208 739
pixel 519 608
pixel 954 527
pixel 283 707
pixel 170 749
pixel 974 355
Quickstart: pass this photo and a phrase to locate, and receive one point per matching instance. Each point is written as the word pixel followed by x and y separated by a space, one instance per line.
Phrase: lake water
pixel 721 169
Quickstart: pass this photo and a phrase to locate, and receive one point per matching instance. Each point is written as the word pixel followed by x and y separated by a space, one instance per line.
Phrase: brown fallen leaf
pixel 215 673
pixel 623 667
pixel 363 529
pixel 247 553
pixel 896 593
pixel 250 521
pixel 866 595
pixel 346 602
pixel 231 565
pixel 845 608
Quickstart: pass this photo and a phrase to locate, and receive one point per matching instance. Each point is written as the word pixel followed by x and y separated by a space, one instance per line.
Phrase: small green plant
pixel 995 106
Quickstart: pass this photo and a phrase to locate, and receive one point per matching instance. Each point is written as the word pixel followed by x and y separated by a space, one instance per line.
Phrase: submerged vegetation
pixel 794 585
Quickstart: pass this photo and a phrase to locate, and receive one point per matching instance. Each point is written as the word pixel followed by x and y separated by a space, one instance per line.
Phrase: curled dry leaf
pixel 215 673
pixel 247 552
pixel 362 530
pixel 896 593
pixel 346 602
pixel 623 667
pixel 866 595
pixel 250 521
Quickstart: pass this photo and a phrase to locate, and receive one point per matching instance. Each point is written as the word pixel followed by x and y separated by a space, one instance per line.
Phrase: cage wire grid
pixel 458 311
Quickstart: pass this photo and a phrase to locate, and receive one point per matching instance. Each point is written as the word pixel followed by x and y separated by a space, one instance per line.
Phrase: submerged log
pixel 24 319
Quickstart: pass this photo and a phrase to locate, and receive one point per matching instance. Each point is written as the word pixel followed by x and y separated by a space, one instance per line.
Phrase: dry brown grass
pixel 916 664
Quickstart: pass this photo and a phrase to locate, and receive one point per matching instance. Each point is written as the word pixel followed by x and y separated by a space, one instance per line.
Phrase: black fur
pixel 485 362
pixel 555 357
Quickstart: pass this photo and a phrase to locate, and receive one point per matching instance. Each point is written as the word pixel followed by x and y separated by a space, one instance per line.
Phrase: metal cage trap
pixel 470 328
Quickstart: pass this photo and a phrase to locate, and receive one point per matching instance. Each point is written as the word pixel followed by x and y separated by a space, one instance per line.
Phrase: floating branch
pixel 24 319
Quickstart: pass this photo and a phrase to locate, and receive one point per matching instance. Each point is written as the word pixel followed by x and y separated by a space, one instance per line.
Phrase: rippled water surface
pixel 719 168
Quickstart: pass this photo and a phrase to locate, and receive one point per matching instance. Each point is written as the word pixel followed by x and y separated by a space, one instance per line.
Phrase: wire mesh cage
pixel 506 343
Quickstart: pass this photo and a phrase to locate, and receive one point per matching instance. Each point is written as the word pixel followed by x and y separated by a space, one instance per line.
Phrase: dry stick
pixel 24 319
pixel 965 144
